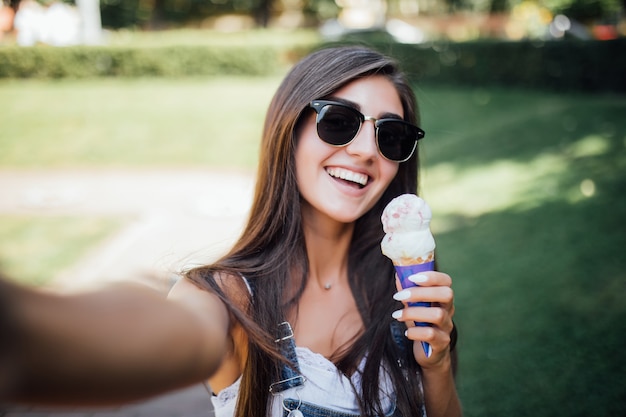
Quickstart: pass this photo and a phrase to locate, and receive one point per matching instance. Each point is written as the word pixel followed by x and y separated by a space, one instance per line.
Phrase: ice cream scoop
pixel 408 242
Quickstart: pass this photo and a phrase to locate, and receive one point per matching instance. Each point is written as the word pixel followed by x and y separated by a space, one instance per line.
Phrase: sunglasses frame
pixel 319 105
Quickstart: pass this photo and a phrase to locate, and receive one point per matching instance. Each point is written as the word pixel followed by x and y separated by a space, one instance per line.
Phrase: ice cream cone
pixel 407 267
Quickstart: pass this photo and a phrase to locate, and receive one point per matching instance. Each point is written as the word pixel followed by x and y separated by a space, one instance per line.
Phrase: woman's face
pixel 343 183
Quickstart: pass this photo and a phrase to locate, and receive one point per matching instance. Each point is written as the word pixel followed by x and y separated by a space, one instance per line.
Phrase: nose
pixel 364 144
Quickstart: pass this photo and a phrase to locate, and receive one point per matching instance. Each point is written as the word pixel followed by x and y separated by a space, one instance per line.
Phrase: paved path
pixel 179 218
pixel 190 402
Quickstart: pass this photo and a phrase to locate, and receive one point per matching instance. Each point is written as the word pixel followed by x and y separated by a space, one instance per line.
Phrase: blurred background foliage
pixel 559 44
pixel 168 13
pixel 457 20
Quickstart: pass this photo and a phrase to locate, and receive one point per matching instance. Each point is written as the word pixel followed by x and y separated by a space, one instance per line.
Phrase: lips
pixel 357 178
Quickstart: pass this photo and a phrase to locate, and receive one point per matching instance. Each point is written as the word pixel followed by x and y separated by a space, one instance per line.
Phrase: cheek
pixel 306 134
pixel 388 171
pixel 310 149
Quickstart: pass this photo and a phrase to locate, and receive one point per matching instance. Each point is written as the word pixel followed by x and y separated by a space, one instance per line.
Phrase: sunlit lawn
pixel 140 123
pixel 526 187
pixel 34 249
pixel 529 190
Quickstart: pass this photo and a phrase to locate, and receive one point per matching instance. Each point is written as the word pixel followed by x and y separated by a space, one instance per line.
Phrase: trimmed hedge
pixel 81 62
pixel 554 65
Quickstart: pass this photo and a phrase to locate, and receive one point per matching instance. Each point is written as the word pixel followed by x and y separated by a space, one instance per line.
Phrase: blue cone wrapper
pixel 404 272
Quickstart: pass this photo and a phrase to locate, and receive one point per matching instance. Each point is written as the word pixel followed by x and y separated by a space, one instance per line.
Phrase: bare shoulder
pixel 205 306
pixel 234 287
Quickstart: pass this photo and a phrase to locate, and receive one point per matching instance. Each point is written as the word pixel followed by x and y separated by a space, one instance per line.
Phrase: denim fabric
pixel 290 376
pixel 311 410
pixel 397 333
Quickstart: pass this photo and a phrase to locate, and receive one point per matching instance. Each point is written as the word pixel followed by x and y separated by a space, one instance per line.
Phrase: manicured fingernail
pixel 418 279
pixel 396 314
pixel 402 295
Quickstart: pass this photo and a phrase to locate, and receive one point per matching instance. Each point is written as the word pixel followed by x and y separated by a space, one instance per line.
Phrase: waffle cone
pixel 415 261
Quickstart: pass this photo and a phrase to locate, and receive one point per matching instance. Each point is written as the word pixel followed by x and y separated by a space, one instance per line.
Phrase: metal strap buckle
pixel 275 391
pixel 284 332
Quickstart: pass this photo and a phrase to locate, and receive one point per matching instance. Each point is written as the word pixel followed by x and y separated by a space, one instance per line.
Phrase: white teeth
pixel 344 174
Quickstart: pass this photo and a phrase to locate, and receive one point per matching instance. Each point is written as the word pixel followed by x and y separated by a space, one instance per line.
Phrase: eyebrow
pixel 386 115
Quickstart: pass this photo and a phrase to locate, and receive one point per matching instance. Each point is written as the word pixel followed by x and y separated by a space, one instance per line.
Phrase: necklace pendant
pixel 295 413
pixel 327 286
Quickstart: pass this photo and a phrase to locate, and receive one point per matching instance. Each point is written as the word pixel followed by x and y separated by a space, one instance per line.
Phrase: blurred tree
pixel 118 14
pixel 159 14
pixel 585 11
pixel 498 6
pixel 590 10
pixel 262 11
pixel 454 5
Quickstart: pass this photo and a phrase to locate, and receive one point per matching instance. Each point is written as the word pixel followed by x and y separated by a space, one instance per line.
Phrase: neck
pixel 327 245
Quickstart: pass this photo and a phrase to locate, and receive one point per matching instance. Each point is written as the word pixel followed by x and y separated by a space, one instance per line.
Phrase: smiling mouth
pixel 351 177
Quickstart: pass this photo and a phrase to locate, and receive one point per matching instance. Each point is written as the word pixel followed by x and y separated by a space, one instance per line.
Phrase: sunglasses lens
pixel 397 140
pixel 337 125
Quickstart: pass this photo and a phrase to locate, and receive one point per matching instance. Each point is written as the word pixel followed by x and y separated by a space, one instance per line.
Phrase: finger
pixel 437 338
pixel 442 295
pixel 431 278
pixel 435 316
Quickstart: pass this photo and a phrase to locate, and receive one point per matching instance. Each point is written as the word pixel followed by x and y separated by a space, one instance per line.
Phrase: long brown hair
pixel 271 252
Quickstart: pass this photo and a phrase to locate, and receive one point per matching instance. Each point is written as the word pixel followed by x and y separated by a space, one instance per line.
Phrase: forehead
pixel 373 95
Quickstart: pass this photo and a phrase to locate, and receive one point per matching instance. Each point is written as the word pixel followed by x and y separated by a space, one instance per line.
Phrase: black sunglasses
pixel 338 124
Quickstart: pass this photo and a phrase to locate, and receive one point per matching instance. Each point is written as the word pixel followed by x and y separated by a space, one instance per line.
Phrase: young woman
pixel 297 318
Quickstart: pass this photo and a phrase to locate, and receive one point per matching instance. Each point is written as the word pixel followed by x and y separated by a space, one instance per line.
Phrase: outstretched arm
pixel 110 346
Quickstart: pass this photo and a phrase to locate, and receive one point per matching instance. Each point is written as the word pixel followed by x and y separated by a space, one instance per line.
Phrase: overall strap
pixel 290 375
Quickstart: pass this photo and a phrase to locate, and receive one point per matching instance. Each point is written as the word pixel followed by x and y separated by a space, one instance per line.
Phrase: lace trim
pixel 313 359
pixel 227 395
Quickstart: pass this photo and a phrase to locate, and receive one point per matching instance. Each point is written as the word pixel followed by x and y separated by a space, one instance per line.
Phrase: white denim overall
pixel 315 389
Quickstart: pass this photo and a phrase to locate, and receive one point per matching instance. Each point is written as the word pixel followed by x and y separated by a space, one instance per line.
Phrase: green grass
pixel 145 123
pixel 34 249
pixel 526 188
